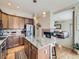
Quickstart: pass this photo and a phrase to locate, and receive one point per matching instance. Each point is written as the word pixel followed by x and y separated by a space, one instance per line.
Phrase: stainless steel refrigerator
pixel 29 31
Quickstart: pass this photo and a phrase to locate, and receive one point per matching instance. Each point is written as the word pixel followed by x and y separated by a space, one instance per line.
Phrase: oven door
pixel 3 51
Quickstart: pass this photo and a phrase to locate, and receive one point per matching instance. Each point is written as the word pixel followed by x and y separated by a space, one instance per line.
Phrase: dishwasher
pixel 3 50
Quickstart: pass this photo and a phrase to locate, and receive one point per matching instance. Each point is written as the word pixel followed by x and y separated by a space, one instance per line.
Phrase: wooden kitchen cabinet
pixel 10 22
pixel 0 14
pixel 14 41
pixel 10 42
pixel 21 23
pixel 21 40
pixel 5 20
pixel 15 22
pixel 34 53
pixel 26 48
pixel 30 50
pixel 1 25
pixel 29 21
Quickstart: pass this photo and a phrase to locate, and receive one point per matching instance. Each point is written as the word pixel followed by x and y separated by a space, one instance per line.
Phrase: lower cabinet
pixel 34 52
pixel 26 48
pixel 10 42
pixel 30 50
pixel 14 41
pixel 21 40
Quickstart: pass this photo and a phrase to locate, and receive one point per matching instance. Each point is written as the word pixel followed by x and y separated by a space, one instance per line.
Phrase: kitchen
pixel 38 33
pixel 14 37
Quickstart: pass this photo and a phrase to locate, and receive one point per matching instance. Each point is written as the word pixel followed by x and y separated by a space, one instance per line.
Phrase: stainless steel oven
pixel 3 50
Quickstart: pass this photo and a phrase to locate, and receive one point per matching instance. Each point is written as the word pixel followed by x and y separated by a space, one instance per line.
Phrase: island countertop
pixel 41 42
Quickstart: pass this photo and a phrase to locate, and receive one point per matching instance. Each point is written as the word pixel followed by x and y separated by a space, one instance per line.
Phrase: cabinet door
pixel 26 48
pixel 5 20
pixel 15 22
pixel 21 40
pixel 0 14
pixel 29 21
pixel 10 22
pixel 1 20
pixel 16 40
pixel 34 53
pixel 10 42
pixel 21 23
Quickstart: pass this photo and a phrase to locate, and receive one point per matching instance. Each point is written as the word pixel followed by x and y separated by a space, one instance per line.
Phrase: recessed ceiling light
pixel 35 17
pixel 44 13
pixel 9 4
pixel 34 1
pixel 18 7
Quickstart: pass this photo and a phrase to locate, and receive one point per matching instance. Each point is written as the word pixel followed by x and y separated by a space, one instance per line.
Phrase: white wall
pixel 66 26
pixel 64 18
pixel 44 21
pixel 52 21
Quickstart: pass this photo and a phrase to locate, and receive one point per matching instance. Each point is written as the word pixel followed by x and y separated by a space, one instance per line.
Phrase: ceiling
pixel 28 6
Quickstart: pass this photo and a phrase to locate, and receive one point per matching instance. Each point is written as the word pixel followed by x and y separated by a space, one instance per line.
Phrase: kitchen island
pixel 40 48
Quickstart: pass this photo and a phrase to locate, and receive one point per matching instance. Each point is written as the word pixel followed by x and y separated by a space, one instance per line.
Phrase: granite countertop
pixel 41 42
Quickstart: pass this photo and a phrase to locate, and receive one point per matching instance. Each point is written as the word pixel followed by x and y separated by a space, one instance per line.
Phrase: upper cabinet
pixel 0 14
pixel 10 22
pixel 21 22
pixel 16 22
pixel 28 21
pixel 1 25
pixel 13 22
pixel 5 20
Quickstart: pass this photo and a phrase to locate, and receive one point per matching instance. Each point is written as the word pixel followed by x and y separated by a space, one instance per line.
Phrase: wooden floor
pixel 12 51
pixel 66 53
pixel 62 53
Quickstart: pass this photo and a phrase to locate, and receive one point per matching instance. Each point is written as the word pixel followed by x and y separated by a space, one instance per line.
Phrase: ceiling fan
pixel 34 1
